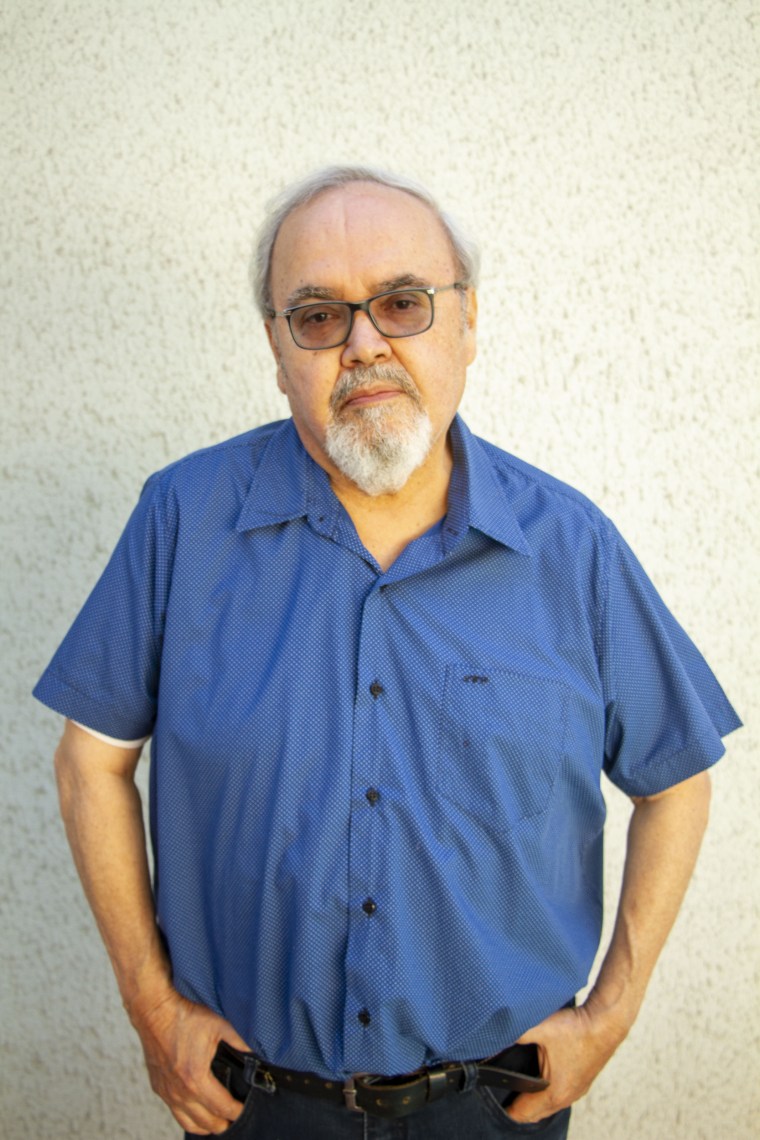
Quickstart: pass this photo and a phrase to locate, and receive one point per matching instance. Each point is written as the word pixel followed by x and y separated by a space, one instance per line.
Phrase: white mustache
pixel 364 376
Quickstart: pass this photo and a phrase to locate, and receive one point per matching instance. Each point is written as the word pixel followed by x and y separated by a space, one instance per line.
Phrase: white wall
pixel 606 152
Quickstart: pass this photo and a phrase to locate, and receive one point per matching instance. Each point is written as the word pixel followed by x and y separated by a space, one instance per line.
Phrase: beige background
pixel 606 153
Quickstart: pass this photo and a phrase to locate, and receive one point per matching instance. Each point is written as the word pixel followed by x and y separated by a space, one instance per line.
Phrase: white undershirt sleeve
pixel 111 739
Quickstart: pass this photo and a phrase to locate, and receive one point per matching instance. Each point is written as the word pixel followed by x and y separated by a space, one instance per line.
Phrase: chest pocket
pixel 501 742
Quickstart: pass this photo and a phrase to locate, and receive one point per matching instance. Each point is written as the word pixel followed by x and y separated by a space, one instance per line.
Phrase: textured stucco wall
pixel 606 152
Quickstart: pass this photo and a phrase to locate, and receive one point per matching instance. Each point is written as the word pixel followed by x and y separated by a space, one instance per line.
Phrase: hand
pixel 179 1039
pixel 574 1045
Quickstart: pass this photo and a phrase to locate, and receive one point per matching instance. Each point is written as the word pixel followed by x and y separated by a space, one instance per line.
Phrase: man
pixel 383 665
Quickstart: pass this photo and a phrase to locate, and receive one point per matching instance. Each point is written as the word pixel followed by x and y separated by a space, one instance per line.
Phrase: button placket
pixel 365 910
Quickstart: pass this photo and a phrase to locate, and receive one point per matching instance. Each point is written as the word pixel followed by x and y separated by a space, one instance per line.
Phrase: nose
pixel 365 345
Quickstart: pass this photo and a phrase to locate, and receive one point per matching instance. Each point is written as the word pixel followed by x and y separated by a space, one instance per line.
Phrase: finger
pixel 529 1108
pixel 203 1099
pixel 219 1101
pixel 232 1037
pixel 544 1031
pixel 209 1113
pixel 196 1120
pixel 530 1036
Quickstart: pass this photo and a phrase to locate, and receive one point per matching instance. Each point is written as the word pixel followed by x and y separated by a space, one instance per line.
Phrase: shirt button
pixel 364 1017
pixel 369 906
pixel 376 689
pixel 372 795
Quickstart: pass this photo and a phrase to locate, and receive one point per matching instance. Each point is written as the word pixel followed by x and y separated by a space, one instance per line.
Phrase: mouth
pixel 364 397
pixel 371 387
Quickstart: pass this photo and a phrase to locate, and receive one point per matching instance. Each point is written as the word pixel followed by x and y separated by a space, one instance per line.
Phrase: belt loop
pixel 257 1075
pixel 470 1070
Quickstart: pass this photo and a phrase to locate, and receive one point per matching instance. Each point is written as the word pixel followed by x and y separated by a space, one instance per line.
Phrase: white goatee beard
pixel 378 446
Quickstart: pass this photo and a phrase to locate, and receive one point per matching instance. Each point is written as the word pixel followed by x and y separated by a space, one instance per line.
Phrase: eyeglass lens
pixel 326 324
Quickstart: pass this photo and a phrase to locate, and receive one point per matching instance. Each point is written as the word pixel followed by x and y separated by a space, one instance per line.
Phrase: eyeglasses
pixel 395 313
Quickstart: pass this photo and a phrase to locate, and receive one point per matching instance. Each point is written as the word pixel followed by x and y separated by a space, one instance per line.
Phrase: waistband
pixel 515 1069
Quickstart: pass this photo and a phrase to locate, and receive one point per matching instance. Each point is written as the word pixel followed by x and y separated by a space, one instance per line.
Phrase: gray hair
pixel 463 247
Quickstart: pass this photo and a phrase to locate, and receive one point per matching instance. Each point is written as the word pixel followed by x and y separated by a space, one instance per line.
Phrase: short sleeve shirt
pixel 376 809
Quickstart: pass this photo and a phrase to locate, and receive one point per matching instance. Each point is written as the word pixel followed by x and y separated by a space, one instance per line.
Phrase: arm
pixel 574 1044
pixel 101 808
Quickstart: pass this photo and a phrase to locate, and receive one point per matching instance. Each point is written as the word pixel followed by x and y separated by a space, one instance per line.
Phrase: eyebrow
pixel 406 280
pixel 309 293
pixel 305 293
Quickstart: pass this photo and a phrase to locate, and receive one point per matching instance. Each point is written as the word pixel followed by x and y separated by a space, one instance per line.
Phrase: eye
pixel 401 308
pixel 318 320
pixel 403 302
pixel 317 315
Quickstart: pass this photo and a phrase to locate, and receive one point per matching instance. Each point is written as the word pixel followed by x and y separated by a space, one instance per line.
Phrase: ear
pixel 471 324
pixel 274 344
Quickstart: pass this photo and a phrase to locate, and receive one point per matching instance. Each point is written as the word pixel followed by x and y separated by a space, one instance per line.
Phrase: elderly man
pixel 383 665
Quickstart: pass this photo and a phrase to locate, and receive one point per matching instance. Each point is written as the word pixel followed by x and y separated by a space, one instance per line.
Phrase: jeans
pixel 474 1115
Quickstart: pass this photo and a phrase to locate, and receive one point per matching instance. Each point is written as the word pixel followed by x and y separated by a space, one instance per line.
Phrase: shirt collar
pixel 288 484
pixel 477 497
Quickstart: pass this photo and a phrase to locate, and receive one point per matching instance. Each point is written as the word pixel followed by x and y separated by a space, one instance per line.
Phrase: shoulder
pixel 202 494
pixel 539 498
pixel 232 462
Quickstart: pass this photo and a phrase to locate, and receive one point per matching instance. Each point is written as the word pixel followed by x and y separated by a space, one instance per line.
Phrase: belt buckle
pixel 349 1092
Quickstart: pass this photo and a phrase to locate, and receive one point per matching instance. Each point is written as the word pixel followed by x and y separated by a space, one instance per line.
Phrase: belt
pixel 516 1069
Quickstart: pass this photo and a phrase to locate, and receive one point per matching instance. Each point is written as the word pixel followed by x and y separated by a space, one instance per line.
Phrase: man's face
pixel 349 244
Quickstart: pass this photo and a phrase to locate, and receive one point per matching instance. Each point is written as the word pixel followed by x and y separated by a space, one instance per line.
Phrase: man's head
pixel 464 249
pixel 372 385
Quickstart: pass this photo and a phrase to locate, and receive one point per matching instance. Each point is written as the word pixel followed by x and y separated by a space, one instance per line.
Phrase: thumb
pixel 228 1033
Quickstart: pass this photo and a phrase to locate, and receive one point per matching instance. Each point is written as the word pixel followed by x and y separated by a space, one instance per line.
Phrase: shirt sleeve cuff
pixel 112 739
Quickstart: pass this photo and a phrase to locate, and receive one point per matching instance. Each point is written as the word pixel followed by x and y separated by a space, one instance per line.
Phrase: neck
pixel 386 524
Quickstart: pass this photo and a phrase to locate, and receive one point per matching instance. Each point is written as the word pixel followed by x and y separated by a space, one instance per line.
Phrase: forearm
pixel 664 838
pixel 102 813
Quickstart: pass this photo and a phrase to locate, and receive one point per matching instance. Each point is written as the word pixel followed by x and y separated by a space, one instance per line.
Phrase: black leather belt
pixel 514 1070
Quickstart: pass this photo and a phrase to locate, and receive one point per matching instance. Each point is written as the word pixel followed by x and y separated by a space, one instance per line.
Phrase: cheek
pixel 307 389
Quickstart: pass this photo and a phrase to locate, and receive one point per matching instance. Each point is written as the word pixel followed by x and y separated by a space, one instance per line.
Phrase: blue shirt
pixel 375 797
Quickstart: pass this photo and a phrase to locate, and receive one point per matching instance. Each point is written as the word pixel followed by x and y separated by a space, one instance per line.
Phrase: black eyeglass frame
pixel 355 307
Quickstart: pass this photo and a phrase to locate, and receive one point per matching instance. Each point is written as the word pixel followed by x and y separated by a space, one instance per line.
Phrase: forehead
pixel 360 236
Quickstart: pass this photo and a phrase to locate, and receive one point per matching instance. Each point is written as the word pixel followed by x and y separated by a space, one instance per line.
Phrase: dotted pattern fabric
pixel 375 797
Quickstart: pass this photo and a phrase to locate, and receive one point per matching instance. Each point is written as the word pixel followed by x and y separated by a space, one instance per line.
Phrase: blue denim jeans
pixel 474 1115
